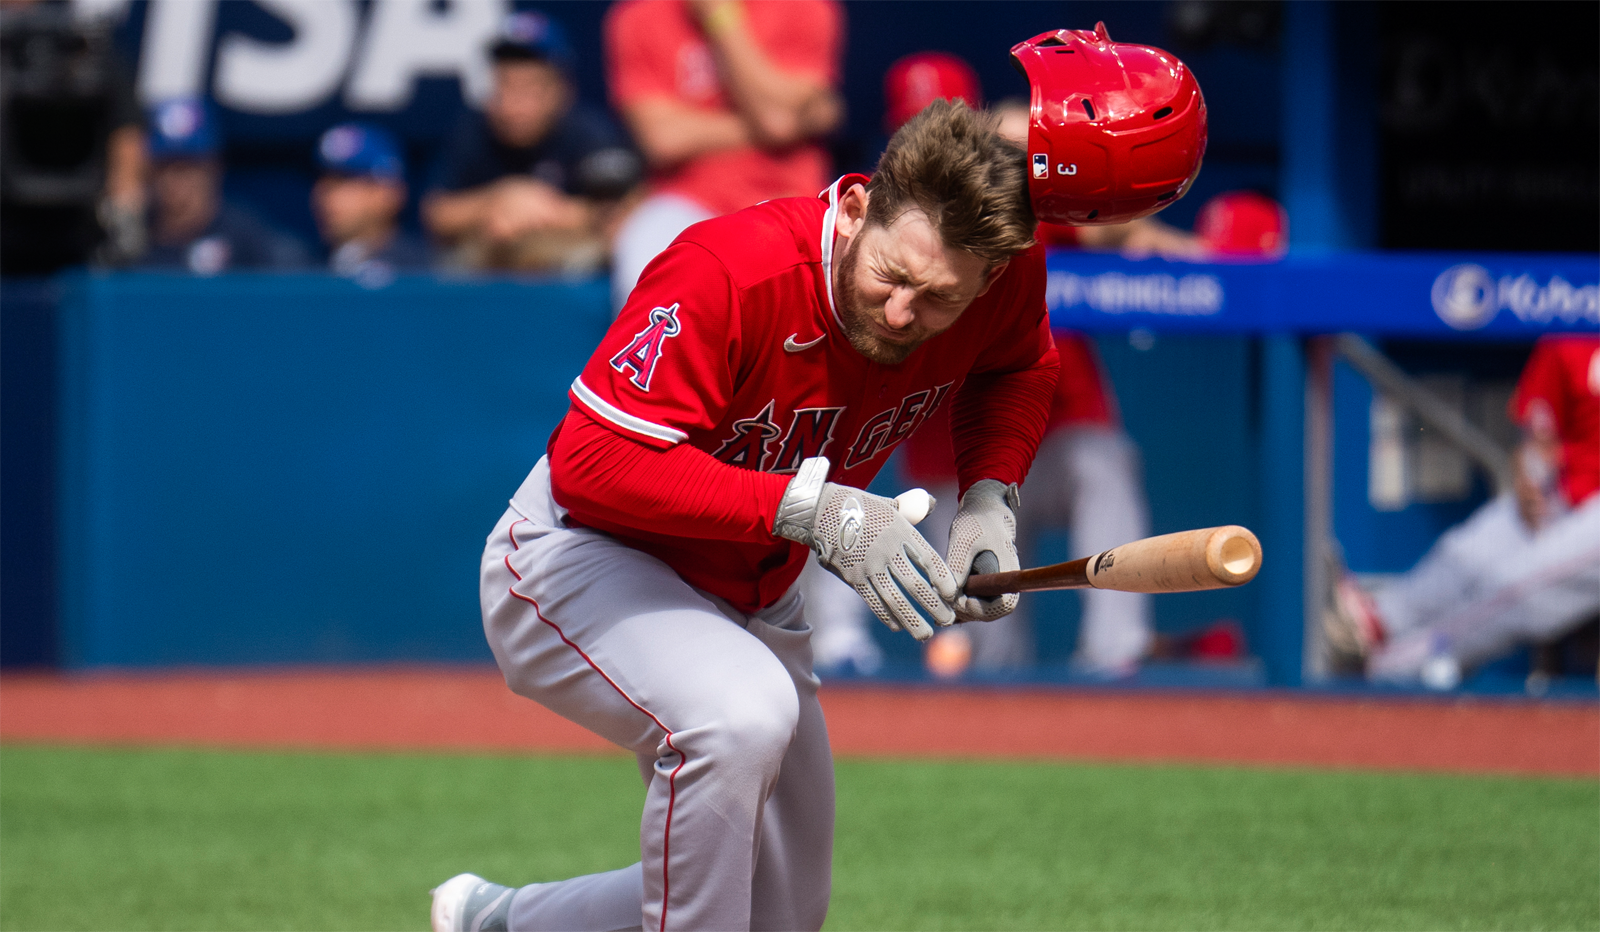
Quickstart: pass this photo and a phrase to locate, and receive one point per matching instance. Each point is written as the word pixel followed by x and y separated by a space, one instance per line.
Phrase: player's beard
pixel 859 317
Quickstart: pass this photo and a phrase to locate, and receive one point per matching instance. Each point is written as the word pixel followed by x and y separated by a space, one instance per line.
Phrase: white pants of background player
pixel 1087 479
pixel 720 708
pixel 652 227
pixel 1487 584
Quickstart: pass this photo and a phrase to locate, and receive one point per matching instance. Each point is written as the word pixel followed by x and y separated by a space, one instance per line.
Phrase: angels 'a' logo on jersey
pixel 644 352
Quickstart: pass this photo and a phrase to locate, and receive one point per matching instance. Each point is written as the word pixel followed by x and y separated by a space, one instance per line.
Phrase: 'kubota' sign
pixel 1468 296
pixel 369 56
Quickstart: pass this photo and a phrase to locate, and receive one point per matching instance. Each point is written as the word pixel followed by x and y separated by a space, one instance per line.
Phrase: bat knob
pixel 915 504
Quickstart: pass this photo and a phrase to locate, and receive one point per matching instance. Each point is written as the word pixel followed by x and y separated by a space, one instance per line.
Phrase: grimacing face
pixel 898 286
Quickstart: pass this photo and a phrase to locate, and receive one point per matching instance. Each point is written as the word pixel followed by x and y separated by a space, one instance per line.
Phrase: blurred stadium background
pixel 290 470
pixel 164 433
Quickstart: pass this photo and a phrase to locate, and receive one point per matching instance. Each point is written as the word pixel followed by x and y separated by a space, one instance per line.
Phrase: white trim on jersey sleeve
pixel 623 419
pixel 828 220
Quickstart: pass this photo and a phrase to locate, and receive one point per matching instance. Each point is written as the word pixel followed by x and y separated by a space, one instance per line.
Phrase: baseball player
pixel 1525 566
pixel 762 370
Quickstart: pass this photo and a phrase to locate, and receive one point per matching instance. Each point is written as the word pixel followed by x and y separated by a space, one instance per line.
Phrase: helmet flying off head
pixel 1115 131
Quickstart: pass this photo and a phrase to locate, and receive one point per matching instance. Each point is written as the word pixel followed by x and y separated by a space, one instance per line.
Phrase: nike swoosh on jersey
pixel 791 346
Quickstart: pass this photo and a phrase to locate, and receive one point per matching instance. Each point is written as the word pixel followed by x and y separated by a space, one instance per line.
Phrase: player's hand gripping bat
pixel 1208 558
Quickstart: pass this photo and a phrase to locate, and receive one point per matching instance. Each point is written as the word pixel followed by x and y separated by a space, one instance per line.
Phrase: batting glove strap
pixel 797 510
pixel 985 523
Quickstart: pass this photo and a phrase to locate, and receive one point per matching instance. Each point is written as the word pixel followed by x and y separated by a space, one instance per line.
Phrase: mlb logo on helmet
pixel 1041 165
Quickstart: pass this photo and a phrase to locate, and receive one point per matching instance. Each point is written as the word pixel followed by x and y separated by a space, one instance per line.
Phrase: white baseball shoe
pixel 468 903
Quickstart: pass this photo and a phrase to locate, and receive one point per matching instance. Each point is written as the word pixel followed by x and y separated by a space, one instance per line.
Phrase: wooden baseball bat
pixel 1188 561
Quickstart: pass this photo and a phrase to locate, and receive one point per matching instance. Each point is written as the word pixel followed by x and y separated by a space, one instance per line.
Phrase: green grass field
pixel 163 839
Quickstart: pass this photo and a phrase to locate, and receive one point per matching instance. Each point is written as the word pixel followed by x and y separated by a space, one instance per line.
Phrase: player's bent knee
pixel 757 722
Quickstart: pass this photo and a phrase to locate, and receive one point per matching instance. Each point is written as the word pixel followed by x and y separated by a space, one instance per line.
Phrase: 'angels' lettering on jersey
pixel 810 431
pixel 645 351
pixel 748 445
pixel 887 428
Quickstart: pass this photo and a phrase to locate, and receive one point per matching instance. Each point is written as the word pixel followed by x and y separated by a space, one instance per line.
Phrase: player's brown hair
pixel 973 185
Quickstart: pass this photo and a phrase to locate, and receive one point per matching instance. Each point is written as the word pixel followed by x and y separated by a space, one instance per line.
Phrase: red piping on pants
pixel 672 779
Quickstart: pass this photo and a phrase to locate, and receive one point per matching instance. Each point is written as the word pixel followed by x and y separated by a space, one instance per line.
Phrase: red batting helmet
pixel 1116 131
pixel 917 80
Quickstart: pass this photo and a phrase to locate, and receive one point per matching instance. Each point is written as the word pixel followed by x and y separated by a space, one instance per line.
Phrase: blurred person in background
pixel 72 144
pixel 357 202
pixel 1524 567
pixel 1088 476
pixel 191 226
pixel 727 100
pixel 536 181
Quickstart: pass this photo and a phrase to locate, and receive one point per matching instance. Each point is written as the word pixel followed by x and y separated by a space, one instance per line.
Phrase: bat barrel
pixel 1188 561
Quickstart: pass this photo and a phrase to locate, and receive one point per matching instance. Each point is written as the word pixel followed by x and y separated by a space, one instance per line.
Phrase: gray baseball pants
pixel 720 708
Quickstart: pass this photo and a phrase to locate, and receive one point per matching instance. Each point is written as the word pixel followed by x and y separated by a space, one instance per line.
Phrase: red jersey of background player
pixel 1562 377
pixel 655 48
pixel 731 343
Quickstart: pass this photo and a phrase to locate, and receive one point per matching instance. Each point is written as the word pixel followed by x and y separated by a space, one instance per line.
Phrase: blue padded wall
pixel 295 469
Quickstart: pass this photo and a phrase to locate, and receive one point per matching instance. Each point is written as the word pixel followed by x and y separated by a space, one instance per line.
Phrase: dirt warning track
pixel 470 709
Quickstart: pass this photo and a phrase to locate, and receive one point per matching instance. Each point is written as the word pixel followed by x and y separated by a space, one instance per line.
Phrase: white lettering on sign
pixel 408 39
pixel 172 60
pixel 403 40
pixel 90 11
pixel 286 77
pixel 1192 295
pixel 1467 297
pixel 1555 300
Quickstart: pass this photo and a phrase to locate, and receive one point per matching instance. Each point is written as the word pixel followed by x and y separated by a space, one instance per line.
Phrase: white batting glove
pixel 866 540
pixel 983 539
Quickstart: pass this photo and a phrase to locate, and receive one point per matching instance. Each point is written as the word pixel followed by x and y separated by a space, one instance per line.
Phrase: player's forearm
pixel 782 108
pixel 669 133
pixel 448 215
pixel 997 421
pixel 682 490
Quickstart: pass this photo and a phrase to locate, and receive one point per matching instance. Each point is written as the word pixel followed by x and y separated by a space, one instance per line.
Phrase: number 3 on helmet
pixel 1115 131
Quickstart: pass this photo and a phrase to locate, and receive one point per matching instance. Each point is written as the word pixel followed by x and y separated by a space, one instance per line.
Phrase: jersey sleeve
pixel 639 61
pixel 606 479
pixel 999 415
pixel 666 367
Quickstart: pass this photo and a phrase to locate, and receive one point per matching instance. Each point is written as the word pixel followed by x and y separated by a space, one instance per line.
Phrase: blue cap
pixel 533 35
pixel 361 149
pixel 182 128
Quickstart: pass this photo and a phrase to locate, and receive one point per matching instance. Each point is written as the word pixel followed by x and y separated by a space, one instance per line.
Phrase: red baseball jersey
pixel 1562 378
pixel 731 343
